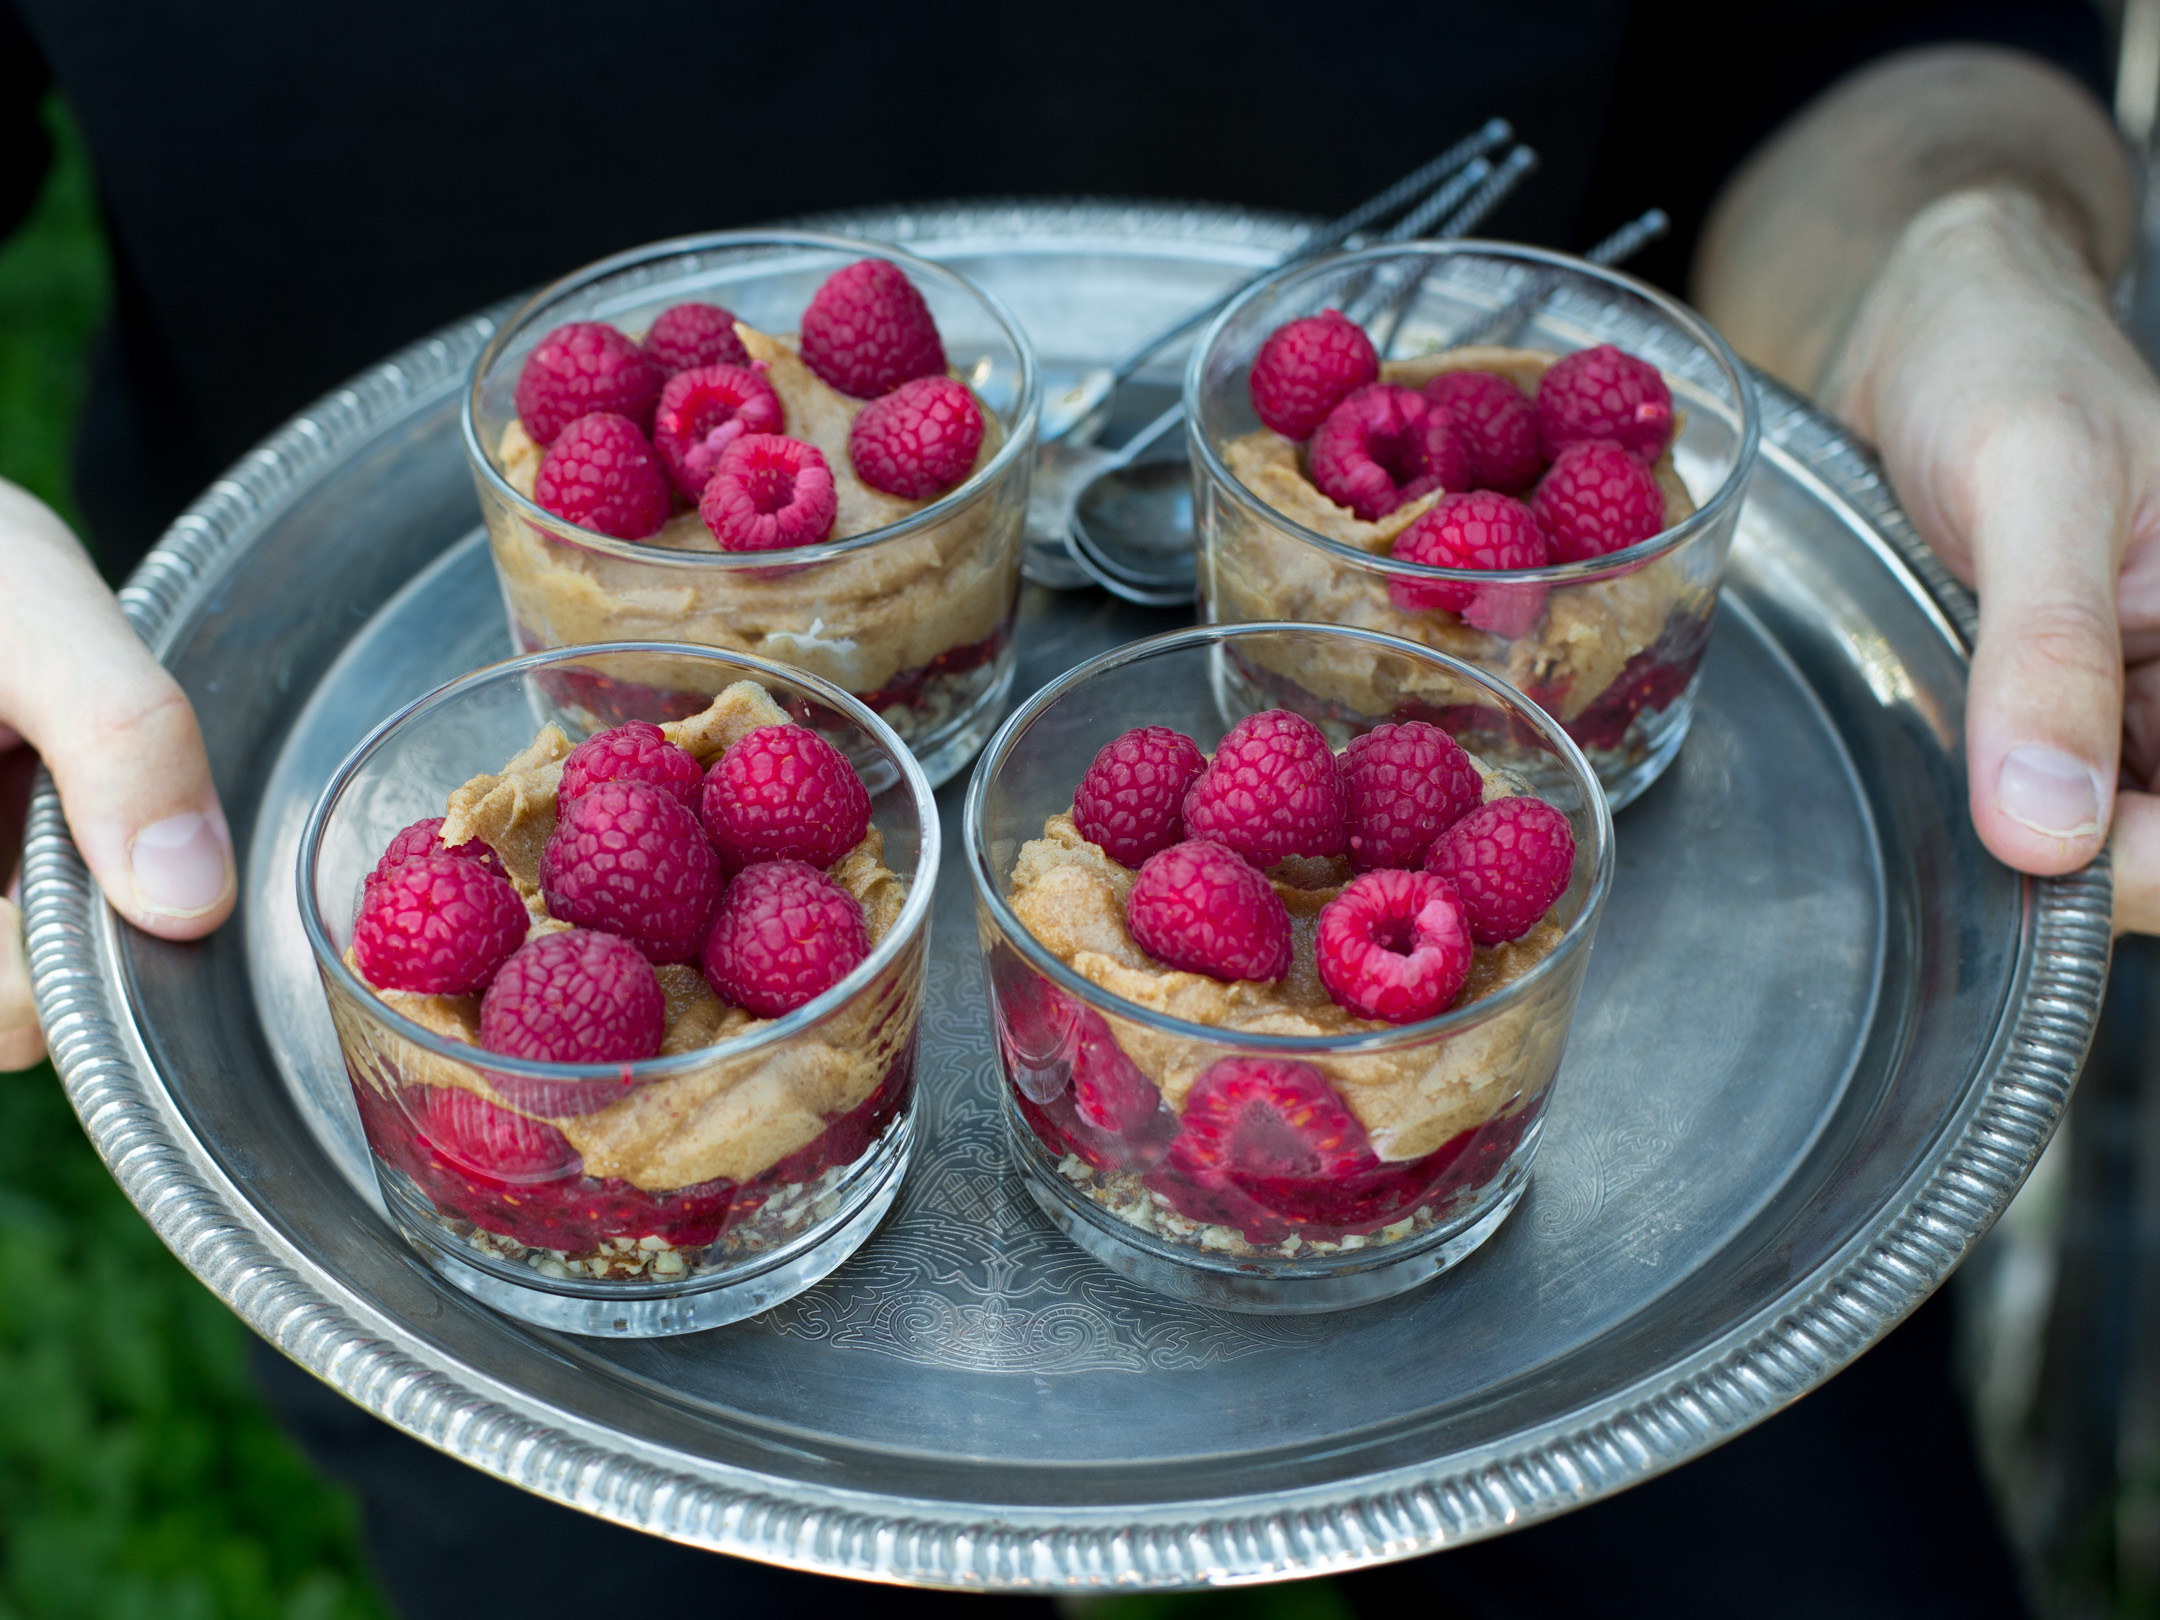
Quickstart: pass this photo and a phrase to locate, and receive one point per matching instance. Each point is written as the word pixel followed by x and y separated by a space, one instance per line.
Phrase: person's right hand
pixel 116 731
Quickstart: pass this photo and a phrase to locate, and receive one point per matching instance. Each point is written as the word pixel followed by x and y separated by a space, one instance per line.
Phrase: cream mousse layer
pixel 1579 645
pixel 1411 1099
pixel 858 620
pixel 732 1117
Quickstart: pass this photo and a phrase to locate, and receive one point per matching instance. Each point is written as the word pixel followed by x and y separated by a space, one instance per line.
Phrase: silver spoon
pixel 1131 524
pixel 1074 416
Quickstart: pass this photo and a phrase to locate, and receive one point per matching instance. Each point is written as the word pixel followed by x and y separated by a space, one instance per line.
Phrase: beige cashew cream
pixel 1412 1099
pixel 733 1117
pixel 858 621
pixel 1584 639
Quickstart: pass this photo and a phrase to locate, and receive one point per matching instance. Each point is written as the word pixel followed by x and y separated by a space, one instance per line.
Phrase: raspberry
pixel 1604 393
pixel 1266 1117
pixel 919 440
pixel 1373 452
pixel 601 473
pixel 1480 529
pixel 1509 860
pixel 703 411
pixel 868 330
pixel 1498 427
pixel 783 793
pixel 1597 498
pixel 575 997
pixel 425 838
pixel 437 925
pixel 767 493
pixel 1131 799
pixel 1198 908
pixel 636 751
pixel 1075 1086
pixel 472 1134
pixel 786 933
pixel 1394 946
pixel 627 858
pixel 694 335
pixel 1307 368
pixel 584 367
pixel 1272 790
pixel 1407 785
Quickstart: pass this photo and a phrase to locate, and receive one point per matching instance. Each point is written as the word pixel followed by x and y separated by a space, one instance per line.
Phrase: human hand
pixel 121 742
pixel 2022 433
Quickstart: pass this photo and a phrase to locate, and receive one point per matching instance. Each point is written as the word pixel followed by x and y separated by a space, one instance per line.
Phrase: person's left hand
pixel 2022 433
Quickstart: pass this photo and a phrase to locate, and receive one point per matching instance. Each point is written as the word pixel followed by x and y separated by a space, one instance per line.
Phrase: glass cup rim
pixel 914 911
pixel 938 511
pixel 1712 511
pixel 975 843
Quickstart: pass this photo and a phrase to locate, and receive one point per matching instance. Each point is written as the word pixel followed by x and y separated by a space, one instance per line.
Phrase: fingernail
pixel 179 865
pixel 2051 792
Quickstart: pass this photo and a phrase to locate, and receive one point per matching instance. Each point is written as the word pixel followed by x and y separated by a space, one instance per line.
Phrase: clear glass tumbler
pixel 630 1199
pixel 914 618
pixel 1098 1083
pixel 1610 646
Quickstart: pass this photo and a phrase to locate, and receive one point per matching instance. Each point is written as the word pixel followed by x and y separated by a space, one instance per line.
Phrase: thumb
pixel 22 1043
pixel 114 729
pixel 2043 726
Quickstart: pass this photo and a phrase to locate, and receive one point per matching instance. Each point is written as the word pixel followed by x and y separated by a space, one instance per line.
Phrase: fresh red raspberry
pixel 425 838
pixel 783 793
pixel 767 493
pixel 474 1135
pixel 627 858
pixel 786 934
pixel 1374 452
pixel 1265 1117
pixel 867 330
pixel 694 335
pixel 1509 860
pixel 1274 789
pixel 1131 800
pixel 1394 946
pixel 1597 498
pixel 1479 529
pixel 1307 368
pixel 636 751
pixel 919 440
pixel 437 925
pixel 1604 393
pixel 1407 784
pixel 1498 427
pixel 703 411
pixel 1200 908
pixel 575 997
pixel 601 473
pixel 584 367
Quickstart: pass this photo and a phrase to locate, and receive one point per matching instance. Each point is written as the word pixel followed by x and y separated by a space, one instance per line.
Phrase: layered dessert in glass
pixel 1516 458
pixel 796 446
pixel 630 1020
pixel 1280 990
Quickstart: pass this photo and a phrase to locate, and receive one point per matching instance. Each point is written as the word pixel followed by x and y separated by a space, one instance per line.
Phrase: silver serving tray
pixel 1824 1037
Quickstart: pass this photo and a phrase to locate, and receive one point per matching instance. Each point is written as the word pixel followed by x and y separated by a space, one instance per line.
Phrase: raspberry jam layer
pixel 520 1178
pixel 1083 1096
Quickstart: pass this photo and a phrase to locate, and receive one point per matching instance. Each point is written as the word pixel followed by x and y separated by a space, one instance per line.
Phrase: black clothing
pixel 291 193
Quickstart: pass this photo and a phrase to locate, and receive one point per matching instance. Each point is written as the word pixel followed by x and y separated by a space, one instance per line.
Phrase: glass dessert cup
pixel 1452 1104
pixel 1611 646
pixel 627 1199
pixel 914 618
